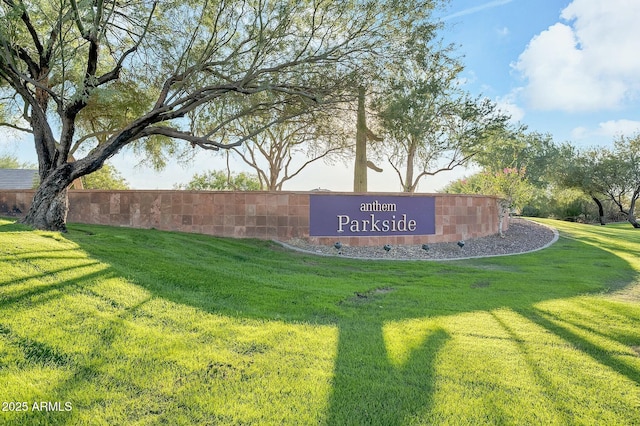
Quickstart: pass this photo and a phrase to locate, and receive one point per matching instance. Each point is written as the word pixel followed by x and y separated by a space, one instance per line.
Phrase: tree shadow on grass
pixel 562 329
pixel 367 387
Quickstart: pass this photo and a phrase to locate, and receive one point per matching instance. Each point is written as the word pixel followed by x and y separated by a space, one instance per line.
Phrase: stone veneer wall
pixel 264 215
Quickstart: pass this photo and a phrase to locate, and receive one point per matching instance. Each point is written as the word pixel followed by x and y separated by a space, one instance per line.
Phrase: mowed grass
pixel 142 327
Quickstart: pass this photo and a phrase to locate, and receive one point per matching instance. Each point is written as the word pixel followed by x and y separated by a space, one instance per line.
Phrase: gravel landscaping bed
pixel 522 236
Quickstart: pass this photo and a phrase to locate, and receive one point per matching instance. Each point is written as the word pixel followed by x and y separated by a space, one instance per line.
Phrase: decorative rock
pixel 521 237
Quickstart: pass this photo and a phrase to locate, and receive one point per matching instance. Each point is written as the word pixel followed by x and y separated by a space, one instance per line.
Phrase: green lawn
pixel 142 327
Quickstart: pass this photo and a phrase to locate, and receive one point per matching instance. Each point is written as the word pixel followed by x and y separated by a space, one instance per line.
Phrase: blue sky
pixel 569 68
pixel 565 67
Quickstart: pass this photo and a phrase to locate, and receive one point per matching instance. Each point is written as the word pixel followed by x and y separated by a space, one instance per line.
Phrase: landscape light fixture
pixel 460 243
pixel 338 246
pixel 425 247
pixel 387 247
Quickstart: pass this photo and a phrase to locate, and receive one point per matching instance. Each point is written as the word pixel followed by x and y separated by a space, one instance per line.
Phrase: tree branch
pixel 16 127
pixel 204 143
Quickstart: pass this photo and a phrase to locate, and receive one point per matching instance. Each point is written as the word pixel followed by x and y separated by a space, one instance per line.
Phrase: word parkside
pixel 373 223
pixel 372 217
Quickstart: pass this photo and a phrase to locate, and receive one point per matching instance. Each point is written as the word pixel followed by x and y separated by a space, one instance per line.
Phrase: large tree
pixel 188 57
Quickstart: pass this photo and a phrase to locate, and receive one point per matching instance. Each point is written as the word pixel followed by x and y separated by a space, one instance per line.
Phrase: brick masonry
pixel 264 215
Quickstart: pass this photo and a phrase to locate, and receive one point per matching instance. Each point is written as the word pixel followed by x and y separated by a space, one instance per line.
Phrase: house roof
pixel 18 178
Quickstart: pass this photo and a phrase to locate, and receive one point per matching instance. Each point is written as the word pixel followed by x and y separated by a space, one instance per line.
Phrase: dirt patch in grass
pixel 367 296
pixel 480 284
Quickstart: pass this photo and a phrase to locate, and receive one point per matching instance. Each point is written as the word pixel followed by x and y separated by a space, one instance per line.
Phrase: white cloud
pixel 579 133
pixel 606 132
pixel 589 62
pixel 503 32
pixel 507 104
pixel 616 128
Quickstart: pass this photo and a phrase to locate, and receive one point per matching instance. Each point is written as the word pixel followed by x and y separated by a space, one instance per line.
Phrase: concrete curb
pixel 556 236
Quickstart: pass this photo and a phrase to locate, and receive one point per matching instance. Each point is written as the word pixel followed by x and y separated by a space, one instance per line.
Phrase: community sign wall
pixel 319 217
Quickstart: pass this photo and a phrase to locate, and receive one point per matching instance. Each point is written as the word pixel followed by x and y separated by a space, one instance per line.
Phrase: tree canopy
pixel 68 67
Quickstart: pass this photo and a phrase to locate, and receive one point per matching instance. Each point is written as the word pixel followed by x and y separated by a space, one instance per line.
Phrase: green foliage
pixel 561 203
pixel 8 161
pixel 105 178
pixel 528 199
pixel 111 108
pixel 515 148
pixel 572 205
pixel 148 327
pixel 466 185
pixel 509 184
pixel 218 180
pixel 627 169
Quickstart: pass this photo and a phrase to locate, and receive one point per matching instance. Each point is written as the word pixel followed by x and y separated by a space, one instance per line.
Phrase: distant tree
pixel 430 123
pixel 218 180
pixel 106 177
pixel 618 172
pixel 9 162
pixel 515 148
pixel 610 172
pixel 583 171
pixel 298 136
pixel 510 185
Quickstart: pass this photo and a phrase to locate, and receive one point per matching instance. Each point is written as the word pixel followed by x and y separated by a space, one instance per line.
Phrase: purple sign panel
pixel 374 215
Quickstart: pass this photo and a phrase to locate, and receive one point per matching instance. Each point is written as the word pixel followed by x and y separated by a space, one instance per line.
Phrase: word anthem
pixel 376 206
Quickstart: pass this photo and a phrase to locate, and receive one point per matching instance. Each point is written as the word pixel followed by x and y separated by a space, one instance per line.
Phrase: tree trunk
pixel 360 167
pixel 50 204
pixel 600 210
pixel 503 210
pixel 409 184
pixel 632 216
